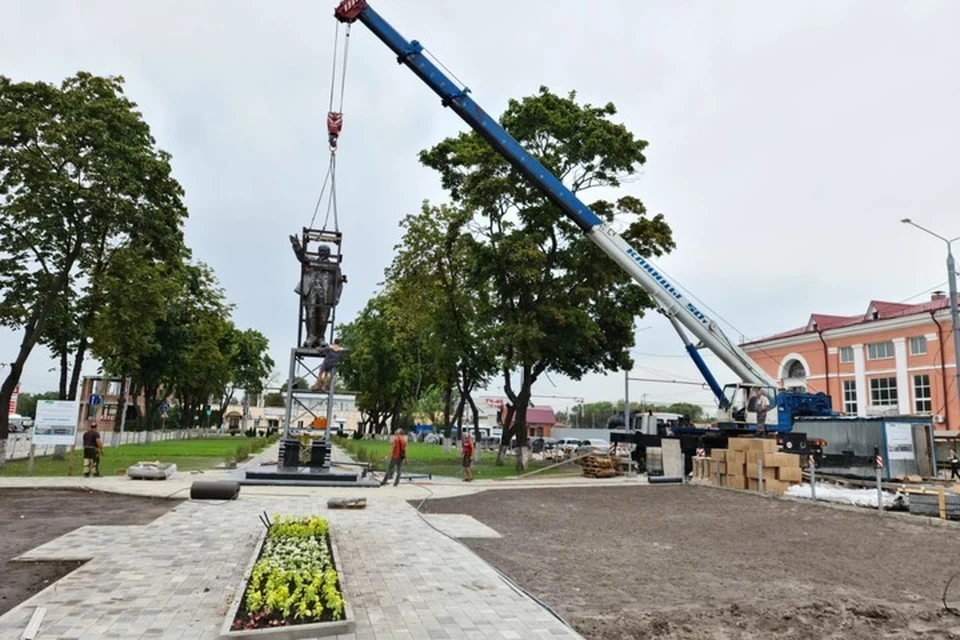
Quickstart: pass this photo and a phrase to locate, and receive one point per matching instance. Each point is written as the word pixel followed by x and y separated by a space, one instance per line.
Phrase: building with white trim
pixel 893 359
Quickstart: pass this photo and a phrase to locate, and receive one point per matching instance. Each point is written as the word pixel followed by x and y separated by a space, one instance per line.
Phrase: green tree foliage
pixel 249 363
pixel 384 367
pixel 79 172
pixel 556 302
pixel 27 402
pixel 432 285
pixel 124 331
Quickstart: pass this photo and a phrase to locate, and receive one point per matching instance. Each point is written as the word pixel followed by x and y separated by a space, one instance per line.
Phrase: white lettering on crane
pixel 665 284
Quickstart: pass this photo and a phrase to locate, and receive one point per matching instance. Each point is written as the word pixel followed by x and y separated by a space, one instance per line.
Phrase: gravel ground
pixel 703 563
pixel 31 517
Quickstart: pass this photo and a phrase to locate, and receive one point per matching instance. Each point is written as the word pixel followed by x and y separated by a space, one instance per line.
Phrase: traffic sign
pixel 95 400
pixel 165 407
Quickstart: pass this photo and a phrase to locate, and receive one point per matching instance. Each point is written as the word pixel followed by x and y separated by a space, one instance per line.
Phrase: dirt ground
pixel 31 517
pixel 694 562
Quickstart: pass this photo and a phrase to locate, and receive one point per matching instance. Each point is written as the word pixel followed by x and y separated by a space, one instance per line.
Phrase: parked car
pixel 592 445
pixel 539 445
pixel 568 445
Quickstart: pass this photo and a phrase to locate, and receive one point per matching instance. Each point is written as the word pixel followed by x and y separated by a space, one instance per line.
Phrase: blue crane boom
pixel 682 312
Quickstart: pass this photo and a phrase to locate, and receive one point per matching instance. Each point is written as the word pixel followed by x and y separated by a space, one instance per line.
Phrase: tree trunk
pixel 118 422
pixel 506 436
pixel 447 410
pixel 520 426
pixel 64 368
pixel 77 366
pixel 30 338
pixel 476 427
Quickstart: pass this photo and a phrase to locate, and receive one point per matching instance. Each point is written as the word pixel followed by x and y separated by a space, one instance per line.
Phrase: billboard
pixel 56 422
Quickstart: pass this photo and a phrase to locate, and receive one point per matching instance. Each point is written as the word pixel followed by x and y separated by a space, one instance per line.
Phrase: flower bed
pixel 293 584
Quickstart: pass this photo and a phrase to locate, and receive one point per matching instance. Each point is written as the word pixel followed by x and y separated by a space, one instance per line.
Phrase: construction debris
pixel 739 466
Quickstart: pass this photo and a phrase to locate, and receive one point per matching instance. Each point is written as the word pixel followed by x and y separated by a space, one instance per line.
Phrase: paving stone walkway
pixel 176 577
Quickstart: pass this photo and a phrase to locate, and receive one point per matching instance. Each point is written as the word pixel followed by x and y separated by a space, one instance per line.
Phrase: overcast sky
pixel 787 140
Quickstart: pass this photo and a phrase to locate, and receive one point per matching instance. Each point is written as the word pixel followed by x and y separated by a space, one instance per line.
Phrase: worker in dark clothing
pixel 954 465
pixel 92 450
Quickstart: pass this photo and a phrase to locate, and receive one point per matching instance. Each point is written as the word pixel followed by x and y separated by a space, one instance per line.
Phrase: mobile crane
pixel 736 416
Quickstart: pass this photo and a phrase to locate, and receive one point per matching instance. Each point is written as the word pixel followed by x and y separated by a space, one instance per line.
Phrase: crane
pixel 684 315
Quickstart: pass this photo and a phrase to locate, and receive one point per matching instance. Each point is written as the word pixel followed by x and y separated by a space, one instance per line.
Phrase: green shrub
pixel 243 452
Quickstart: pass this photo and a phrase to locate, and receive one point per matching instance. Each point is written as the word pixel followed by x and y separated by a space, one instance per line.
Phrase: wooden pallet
pixel 598 467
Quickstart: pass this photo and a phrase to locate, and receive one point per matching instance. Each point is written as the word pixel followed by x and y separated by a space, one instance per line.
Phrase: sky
pixel 787 140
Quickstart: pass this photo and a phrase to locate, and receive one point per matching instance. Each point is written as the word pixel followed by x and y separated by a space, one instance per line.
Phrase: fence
pixel 18 444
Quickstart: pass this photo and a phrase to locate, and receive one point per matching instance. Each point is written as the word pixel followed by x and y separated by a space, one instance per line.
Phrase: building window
pixel 850 397
pixel 921 394
pixel 108 411
pixel 883 392
pixel 113 388
pixel 846 354
pixel 918 345
pixel 880 350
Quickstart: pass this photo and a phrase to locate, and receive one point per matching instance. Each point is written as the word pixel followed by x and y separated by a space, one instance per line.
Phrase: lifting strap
pixel 334 127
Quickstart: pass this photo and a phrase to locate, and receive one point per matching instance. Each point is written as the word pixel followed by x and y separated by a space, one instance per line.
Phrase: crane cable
pixel 334 126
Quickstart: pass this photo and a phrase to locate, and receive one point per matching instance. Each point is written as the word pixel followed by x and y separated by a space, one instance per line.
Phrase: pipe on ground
pixel 214 490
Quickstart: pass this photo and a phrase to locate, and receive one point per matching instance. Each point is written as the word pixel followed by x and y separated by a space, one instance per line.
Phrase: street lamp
pixel 952 279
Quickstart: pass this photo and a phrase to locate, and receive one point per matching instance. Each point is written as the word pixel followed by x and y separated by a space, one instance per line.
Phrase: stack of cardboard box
pixel 738 466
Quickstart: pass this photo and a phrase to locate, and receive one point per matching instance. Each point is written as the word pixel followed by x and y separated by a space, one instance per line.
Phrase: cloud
pixel 786 139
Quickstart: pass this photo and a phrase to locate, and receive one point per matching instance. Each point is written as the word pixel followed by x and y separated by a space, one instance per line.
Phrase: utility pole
pixel 952 280
pixel 626 399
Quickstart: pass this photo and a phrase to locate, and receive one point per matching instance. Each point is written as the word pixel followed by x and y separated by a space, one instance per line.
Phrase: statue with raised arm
pixel 319 289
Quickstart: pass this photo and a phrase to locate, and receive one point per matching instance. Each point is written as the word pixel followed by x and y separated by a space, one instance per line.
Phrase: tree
pixel 27 402
pixel 558 303
pixel 249 363
pixel 79 170
pixel 384 368
pixel 432 287
pixel 124 330
pixel 274 400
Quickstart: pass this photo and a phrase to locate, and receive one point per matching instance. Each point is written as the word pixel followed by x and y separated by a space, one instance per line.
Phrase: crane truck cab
pixel 743 401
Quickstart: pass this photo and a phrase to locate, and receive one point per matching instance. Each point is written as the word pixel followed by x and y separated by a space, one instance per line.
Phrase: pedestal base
pixel 307 476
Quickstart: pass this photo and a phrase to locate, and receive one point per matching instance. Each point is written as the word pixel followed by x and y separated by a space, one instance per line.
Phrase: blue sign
pixel 165 407
pixel 94 400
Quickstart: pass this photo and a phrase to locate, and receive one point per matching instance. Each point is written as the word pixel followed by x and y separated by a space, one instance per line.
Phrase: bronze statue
pixel 319 290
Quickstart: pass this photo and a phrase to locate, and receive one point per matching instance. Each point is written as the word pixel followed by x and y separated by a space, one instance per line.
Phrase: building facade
pixel 895 359
pixel 104 410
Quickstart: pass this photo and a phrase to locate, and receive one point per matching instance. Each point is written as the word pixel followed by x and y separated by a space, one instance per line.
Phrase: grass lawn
pixel 188 455
pixel 431 458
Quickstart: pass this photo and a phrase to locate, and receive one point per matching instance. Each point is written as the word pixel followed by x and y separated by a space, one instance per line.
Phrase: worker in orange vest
pixel 398 453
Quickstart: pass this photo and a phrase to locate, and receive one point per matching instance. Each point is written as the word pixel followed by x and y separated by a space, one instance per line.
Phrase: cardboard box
pixel 735 482
pixel 769 473
pixel 776 487
pixel 790 474
pixel 764 445
pixel 782 460
pixel 718 454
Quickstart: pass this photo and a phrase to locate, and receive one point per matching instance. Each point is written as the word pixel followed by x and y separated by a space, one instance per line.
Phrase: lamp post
pixel 952 279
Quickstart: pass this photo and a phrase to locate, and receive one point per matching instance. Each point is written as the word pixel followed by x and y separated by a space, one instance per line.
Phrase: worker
pixel 92 451
pixel 398 454
pixel 954 465
pixel 762 406
pixel 334 354
pixel 467 458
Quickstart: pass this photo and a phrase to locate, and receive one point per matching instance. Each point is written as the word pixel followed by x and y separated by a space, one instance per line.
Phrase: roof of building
pixel 877 310
pixel 541 415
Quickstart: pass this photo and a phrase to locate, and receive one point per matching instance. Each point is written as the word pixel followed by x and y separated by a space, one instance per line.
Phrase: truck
pixel 736 415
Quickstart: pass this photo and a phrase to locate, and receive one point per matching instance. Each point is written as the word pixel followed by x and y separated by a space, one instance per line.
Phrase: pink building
pixel 893 359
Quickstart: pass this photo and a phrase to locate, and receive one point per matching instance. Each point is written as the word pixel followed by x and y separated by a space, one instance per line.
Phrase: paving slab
pixel 176 577
pixel 460 525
